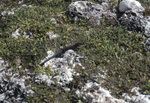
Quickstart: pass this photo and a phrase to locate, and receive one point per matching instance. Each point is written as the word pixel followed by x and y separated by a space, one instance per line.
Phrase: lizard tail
pixel 41 64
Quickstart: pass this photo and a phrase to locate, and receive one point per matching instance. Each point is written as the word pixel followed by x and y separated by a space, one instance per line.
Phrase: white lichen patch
pixel 94 93
pixel 61 67
pixel 138 97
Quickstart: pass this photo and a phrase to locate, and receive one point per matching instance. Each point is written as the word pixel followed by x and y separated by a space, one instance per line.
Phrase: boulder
pixel 136 23
pixel 147 26
pixel 146 43
pixel 132 5
pixel 89 10
pixel 12 85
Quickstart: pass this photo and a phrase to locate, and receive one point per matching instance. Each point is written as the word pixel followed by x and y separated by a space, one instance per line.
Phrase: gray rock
pixel 138 97
pixel 53 20
pixel 131 21
pixel 2 97
pixel 60 66
pixel 52 35
pixel 136 23
pixel 133 5
pixel 147 26
pixel 17 34
pixel 85 9
pixel 146 43
pixel 12 86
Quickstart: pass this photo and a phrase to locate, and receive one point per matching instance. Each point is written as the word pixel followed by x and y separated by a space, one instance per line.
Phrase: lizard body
pixel 61 51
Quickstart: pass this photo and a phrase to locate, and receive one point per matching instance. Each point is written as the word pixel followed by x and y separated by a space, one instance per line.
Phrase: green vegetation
pixel 111 48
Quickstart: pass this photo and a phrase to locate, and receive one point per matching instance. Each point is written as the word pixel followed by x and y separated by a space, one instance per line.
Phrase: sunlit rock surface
pixel 133 5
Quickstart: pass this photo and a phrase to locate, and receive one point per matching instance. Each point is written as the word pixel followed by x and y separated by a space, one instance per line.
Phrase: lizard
pixel 61 52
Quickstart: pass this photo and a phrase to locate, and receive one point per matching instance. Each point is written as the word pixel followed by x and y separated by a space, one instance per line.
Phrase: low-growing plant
pixel 108 47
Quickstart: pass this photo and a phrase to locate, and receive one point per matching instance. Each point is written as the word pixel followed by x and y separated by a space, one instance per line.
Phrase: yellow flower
pixel 99 81
pixel 116 69
pixel 144 79
pixel 120 85
pixel 140 50
pixel 108 61
pixel 94 65
pixel 114 73
pixel 8 53
pixel 100 60
pixel 51 96
pixel 32 88
pixel 0 42
pixel 99 44
pixel 149 80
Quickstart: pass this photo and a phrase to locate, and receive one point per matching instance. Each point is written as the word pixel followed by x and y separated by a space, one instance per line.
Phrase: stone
pixel 61 67
pixel 53 20
pixel 146 44
pixel 94 93
pixel 132 22
pixel 89 10
pixel 12 85
pixel 147 26
pixel 136 23
pixel 133 5
pixel 138 97
pixel 52 35
pixel 2 96
pixel 17 34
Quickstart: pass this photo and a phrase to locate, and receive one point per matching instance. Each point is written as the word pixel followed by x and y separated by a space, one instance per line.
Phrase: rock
pixel 2 97
pixel 53 20
pixel 51 35
pixel 130 5
pixel 94 93
pixel 12 85
pixel 147 26
pixel 146 43
pixel 60 66
pixel 102 1
pixel 136 23
pixel 138 97
pixel 85 9
pixel 6 12
pixel 12 11
pixel 132 22
pixel 17 34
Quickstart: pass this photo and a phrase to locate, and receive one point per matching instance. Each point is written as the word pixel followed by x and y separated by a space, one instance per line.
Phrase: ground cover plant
pixel 110 47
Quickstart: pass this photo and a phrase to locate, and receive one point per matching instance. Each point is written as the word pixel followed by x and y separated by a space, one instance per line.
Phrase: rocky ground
pixel 13 88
